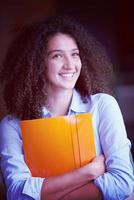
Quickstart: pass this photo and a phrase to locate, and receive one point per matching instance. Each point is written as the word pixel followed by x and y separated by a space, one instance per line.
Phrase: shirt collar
pixel 46 113
pixel 77 105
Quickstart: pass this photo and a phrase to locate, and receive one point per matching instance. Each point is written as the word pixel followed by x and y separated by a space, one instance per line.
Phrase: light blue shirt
pixel 110 139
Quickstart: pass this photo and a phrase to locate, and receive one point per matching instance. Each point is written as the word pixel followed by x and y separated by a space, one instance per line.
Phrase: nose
pixel 68 63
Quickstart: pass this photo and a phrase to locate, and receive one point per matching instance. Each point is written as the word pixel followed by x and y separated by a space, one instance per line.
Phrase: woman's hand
pixel 89 191
pixel 98 166
pixel 57 187
pixel 94 168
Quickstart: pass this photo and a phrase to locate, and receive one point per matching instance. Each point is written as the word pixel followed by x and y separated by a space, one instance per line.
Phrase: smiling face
pixel 63 62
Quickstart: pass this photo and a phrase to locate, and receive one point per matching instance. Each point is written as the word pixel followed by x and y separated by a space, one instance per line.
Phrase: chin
pixel 69 86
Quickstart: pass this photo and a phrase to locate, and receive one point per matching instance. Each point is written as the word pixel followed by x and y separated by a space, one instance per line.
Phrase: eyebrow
pixel 59 50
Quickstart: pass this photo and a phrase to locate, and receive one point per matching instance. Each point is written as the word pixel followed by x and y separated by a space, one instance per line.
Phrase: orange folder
pixel 58 144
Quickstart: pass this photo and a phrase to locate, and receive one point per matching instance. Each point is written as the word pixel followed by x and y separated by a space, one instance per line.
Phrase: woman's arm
pixel 20 185
pixel 118 181
pixel 71 183
pixel 85 192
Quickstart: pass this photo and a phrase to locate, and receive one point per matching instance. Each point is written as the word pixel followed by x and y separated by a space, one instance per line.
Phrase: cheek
pixel 49 71
pixel 49 67
pixel 79 62
pixel 52 71
pixel 79 65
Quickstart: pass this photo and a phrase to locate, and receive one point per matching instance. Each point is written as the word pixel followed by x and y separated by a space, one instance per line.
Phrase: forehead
pixel 61 40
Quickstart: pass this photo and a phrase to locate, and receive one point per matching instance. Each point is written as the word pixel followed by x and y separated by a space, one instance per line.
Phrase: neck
pixel 58 102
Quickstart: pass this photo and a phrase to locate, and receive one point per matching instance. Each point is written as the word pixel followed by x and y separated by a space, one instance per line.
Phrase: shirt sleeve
pixel 19 182
pixel 118 181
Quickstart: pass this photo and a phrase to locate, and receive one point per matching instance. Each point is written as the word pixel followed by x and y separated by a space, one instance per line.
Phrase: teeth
pixel 67 75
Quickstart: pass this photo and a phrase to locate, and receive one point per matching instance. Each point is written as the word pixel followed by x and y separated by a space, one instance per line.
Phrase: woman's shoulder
pixel 9 120
pixel 106 104
pixel 98 101
pixel 103 98
pixel 102 101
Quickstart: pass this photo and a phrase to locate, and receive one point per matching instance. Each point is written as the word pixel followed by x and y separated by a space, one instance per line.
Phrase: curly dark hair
pixel 23 70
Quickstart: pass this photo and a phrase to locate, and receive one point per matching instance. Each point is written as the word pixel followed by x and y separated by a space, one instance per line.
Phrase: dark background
pixel 112 22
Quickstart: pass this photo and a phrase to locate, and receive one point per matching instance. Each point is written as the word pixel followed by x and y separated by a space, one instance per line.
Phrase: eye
pixel 76 54
pixel 57 56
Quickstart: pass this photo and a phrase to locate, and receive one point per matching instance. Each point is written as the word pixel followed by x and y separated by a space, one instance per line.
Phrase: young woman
pixel 56 68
